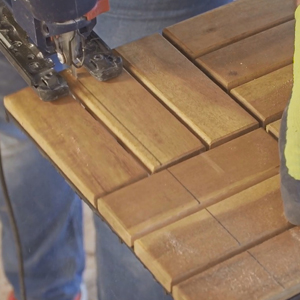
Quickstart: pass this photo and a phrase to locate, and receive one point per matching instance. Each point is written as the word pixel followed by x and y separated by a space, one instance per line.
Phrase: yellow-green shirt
pixel 292 148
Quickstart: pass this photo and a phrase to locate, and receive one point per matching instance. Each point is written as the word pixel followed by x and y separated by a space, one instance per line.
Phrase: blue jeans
pixel 49 214
pixel 290 187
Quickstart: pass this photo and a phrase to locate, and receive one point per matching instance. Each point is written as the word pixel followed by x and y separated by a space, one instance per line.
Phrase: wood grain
pixel 274 128
pixel 228 24
pixel 229 168
pixel 145 206
pixel 267 96
pixel 280 256
pixel 76 143
pixel 253 215
pixel 142 124
pixel 238 278
pixel 270 271
pixel 252 57
pixel 194 98
pixel 185 248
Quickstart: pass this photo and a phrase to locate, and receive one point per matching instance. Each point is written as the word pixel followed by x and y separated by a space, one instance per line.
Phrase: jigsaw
pixel 33 32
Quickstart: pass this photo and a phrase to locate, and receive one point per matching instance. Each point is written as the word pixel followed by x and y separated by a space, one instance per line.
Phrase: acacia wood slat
pixel 79 146
pixel 197 241
pixel 252 57
pixel 143 125
pixel 274 128
pixel 193 97
pixel 184 248
pixel 228 24
pixel 280 256
pixel 267 96
pixel 145 206
pixel 238 278
pixel 229 168
pixel 254 214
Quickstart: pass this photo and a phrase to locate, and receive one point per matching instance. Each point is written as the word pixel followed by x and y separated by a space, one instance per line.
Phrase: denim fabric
pixel 290 187
pixel 49 215
pixel 121 276
pixel 132 19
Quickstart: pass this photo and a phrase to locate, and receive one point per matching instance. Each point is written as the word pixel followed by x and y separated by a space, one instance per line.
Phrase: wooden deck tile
pixel 185 248
pixel 280 256
pixel 159 200
pixel 193 97
pixel 267 96
pixel 145 206
pixel 228 24
pixel 76 143
pixel 254 214
pixel 252 57
pixel 229 168
pixel 274 128
pixel 238 278
pixel 138 120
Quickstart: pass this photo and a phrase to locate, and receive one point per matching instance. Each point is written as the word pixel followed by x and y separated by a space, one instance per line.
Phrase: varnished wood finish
pixel 194 98
pixel 210 236
pixel 268 271
pixel 228 24
pixel 280 256
pixel 238 278
pixel 142 124
pixel 274 128
pixel 152 203
pixel 185 248
pixel 230 168
pixel 258 210
pixel 79 146
pixel 267 96
pixel 161 199
pixel 252 57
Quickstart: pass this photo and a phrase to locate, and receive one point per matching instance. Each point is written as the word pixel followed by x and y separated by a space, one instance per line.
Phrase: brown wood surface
pixel 140 208
pixel 254 214
pixel 185 248
pixel 193 97
pixel 238 278
pixel 280 257
pixel 228 24
pixel 77 144
pixel 194 224
pixel 201 240
pixel 274 128
pixel 142 124
pixel 252 57
pixel 267 96
pixel 147 205
pixel 229 168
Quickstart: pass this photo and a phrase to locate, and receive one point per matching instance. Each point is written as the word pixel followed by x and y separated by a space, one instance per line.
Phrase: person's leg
pixel 49 215
pixel 290 187
pixel 120 274
pixel 130 20
pixel 289 141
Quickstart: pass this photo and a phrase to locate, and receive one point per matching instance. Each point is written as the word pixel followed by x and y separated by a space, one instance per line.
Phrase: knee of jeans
pixel 291 204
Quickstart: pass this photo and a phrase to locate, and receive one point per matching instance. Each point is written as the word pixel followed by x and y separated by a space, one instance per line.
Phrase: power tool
pixel 32 32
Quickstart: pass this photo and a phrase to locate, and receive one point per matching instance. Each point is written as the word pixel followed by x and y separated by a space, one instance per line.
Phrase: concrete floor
pixel 90 272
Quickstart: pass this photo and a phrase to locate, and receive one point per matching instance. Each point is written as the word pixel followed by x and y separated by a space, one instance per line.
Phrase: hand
pixel 297 3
